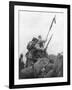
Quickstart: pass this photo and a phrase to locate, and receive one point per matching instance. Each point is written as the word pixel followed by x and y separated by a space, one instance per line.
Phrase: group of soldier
pixel 36 50
pixel 36 47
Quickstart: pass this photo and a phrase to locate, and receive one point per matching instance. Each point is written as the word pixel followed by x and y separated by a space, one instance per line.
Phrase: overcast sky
pixel 32 24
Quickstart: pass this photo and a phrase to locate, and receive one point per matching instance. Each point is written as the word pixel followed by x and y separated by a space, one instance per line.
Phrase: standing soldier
pixel 21 64
pixel 40 47
pixel 30 55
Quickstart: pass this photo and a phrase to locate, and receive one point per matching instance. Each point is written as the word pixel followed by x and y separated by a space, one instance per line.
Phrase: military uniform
pixel 31 54
pixel 35 50
pixel 40 48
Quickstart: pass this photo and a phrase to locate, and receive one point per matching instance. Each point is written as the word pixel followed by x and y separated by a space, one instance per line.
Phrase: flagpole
pixel 51 26
pixel 48 42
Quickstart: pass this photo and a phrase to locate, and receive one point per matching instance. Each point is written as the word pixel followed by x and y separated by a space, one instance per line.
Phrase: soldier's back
pixel 32 43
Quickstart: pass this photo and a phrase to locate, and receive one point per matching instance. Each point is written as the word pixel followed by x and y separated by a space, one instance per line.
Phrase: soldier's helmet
pixel 39 37
pixel 35 40
pixel 21 56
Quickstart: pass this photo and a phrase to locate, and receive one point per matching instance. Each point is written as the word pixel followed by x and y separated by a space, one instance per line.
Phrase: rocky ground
pixel 44 68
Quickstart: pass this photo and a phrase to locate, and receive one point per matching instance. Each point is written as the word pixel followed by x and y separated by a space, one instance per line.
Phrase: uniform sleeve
pixel 37 46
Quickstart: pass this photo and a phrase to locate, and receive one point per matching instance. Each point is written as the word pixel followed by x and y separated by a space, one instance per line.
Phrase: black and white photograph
pixel 40 44
pixel 41 39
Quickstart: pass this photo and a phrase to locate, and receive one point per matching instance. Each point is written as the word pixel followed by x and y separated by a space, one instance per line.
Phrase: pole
pixel 48 42
pixel 51 26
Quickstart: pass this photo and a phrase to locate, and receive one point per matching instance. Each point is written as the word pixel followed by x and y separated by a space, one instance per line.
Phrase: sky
pixel 32 24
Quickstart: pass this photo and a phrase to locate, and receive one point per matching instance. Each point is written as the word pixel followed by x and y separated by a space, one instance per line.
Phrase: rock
pixel 44 67
pixel 27 73
pixel 42 62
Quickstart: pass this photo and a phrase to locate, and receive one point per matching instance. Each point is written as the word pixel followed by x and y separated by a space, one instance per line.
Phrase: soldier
pixel 31 50
pixel 21 64
pixel 35 49
pixel 40 44
pixel 32 43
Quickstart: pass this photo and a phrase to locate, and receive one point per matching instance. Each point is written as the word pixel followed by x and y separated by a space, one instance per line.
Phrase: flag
pixel 53 21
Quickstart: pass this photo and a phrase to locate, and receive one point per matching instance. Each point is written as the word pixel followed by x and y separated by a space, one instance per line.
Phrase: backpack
pixel 32 43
